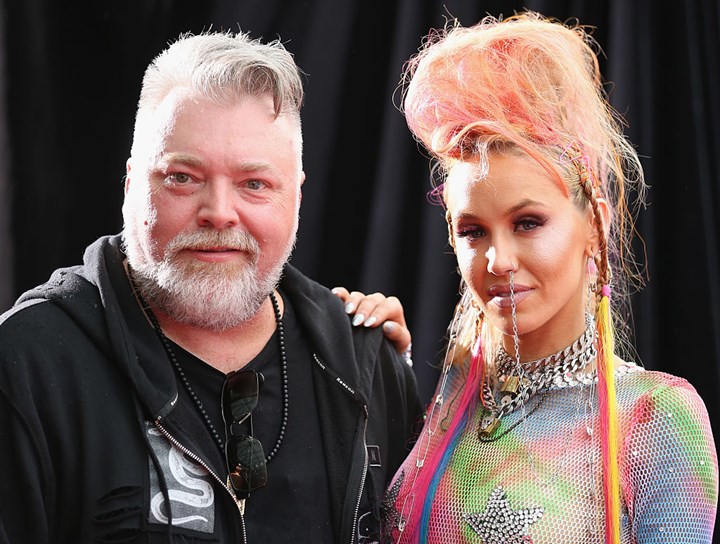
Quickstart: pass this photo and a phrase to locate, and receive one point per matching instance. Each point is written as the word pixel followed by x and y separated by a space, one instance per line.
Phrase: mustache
pixel 212 239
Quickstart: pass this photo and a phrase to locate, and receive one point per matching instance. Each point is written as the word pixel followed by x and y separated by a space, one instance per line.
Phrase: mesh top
pixel 540 478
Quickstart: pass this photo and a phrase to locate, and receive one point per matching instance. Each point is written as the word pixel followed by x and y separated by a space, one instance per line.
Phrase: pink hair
pixel 532 83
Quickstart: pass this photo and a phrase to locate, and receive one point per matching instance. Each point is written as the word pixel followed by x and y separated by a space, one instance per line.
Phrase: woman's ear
pixel 451 235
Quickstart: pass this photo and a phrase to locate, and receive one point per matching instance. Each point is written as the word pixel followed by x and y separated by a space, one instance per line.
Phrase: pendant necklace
pixel 191 391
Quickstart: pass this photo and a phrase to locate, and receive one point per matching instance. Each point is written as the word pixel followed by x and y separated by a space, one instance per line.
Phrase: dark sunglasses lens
pixel 240 394
pixel 246 463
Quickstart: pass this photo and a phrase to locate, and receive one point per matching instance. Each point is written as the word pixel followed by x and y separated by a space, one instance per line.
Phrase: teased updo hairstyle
pixel 533 83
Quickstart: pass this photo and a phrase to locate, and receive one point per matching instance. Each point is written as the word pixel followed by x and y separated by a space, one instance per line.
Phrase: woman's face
pixel 518 219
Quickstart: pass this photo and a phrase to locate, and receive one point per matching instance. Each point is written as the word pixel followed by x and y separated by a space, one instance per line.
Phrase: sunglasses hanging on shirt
pixel 246 464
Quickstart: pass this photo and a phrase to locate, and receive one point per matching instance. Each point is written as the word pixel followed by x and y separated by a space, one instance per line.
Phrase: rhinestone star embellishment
pixel 500 524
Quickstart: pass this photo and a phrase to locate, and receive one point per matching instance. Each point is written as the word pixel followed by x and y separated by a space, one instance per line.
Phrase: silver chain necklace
pixel 520 382
pixel 581 355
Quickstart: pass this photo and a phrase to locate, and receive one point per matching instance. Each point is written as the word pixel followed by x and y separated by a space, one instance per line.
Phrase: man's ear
pixel 128 167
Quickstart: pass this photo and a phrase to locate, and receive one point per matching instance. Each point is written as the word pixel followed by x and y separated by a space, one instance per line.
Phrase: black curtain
pixel 71 79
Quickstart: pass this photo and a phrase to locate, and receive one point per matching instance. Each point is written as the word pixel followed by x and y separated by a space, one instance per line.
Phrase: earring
pixel 478 324
pixel 591 275
pixel 591 271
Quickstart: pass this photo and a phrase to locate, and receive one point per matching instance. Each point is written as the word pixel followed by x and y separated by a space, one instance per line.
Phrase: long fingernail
pixel 370 321
pixel 349 307
pixel 335 290
pixel 359 318
pixel 388 326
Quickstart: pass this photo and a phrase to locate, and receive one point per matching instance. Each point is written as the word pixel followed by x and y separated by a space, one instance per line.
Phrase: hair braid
pixel 602 260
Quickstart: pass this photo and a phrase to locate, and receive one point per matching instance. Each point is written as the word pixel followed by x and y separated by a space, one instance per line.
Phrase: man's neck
pixel 229 349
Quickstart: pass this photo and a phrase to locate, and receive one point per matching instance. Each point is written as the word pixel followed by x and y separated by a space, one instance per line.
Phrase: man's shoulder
pixel 301 285
pixel 329 328
pixel 314 303
pixel 35 320
pixel 47 316
pixel 21 314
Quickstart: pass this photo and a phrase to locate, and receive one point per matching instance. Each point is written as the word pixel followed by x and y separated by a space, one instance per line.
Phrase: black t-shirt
pixel 294 505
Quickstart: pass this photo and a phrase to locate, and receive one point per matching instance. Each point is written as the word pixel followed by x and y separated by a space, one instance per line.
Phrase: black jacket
pixel 78 397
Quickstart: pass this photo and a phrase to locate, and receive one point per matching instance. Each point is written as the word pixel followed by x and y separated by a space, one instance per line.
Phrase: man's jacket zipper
pixel 202 463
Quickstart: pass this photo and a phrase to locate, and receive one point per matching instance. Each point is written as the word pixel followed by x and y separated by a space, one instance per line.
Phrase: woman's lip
pixel 503 300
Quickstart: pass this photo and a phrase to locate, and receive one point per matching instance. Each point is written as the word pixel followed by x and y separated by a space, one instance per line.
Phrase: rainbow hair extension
pixel 608 418
pixel 437 474
pixel 607 402
pixel 434 467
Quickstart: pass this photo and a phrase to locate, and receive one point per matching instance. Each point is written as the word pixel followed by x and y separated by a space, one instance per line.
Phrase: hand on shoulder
pixel 377 309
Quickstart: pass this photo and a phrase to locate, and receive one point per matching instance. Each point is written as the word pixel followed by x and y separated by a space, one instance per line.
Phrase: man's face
pixel 211 206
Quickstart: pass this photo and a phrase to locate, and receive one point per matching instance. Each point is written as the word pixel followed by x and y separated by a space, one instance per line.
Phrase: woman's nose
pixel 500 259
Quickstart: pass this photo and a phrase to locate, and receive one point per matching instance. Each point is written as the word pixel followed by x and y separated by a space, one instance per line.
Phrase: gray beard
pixel 215 296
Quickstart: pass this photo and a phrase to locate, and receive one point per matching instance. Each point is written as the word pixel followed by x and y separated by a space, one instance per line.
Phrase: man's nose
pixel 218 207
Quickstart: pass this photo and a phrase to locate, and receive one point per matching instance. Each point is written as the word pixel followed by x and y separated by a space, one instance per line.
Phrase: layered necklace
pixel 519 382
pixel 191 391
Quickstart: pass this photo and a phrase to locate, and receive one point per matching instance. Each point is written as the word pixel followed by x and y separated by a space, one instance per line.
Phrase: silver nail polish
pixel 359 318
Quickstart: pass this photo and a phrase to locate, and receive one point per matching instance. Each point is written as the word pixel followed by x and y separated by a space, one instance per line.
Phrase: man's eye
pixel 254 184
pixel 178 178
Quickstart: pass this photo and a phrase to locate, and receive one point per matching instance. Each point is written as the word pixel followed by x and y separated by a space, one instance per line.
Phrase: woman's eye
pixel 526 225
pixel 470 232
pixel 178 178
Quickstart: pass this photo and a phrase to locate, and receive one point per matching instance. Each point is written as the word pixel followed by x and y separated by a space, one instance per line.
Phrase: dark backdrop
pixel 72 74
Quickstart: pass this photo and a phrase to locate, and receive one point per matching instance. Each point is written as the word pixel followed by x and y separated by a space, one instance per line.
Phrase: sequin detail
pixel 500 524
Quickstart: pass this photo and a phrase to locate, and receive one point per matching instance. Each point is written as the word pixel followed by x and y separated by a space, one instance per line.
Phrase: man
pixel 185 383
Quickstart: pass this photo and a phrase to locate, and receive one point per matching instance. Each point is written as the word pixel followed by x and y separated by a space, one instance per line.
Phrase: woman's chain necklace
pixel 191 391
pixel 520 382
pixel 585 351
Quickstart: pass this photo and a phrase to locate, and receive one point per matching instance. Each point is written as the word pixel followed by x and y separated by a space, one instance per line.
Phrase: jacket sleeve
pixel 404 411
pixel 25 485
pixel 32 446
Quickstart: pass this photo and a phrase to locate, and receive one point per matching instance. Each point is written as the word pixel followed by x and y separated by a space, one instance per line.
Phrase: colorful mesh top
pixel 539 479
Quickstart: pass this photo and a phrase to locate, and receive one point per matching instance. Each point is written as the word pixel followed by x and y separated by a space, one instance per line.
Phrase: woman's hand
pixel 376 309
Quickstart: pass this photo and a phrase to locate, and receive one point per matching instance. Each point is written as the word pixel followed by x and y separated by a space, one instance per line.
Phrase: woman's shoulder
pixel 654 392
pixel 641 381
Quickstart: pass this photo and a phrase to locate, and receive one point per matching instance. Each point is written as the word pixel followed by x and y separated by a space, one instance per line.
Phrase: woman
pixel 540 432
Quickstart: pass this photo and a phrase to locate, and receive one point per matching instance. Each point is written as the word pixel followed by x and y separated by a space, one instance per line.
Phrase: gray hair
pixel 223 67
